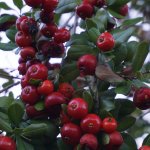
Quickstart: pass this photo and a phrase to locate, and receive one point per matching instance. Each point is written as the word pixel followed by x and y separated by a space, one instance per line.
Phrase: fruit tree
pixel 74 103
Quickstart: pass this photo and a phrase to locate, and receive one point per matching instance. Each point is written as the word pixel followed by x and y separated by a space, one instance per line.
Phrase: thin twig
pixel 7 76
pixel 75 24
pixel 10 86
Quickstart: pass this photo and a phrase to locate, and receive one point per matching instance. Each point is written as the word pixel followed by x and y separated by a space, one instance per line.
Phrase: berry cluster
pixel 39 41
pixel 81 127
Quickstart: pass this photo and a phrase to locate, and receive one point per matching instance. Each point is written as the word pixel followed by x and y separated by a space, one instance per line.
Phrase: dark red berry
pixel 124 10
pixel 19 20
pixel 34 3
pixel 46 17
pixel 22 69
pixel 50 5
pixel 144 147
pixel 24 81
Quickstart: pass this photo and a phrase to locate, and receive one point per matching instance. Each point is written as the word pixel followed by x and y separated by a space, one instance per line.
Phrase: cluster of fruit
pixel 86 9
pixel 81 127
pixel 36 87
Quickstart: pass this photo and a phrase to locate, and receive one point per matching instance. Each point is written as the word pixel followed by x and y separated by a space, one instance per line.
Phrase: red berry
pixel 27 53
pixel 37 72
pixel 115 139
pixel 50 5
pixel 46 87
pixel 61 35
pixel 109 124
pixel 32 112
pixel 91 124
pixel 77 108
pixel 85 10
pixel 90 141
pixel 24 81
pixel 124 10
pixel 91 2
pixel 22 69
pixel 28 26
pixel 64 118
pixel 34 3
pixel 29 95
pixel 32 62
pixel 7 143
pixel 48 30
pixel 144 147
pixel 141 98
pixel 55 98
pixel 21 60
pixel 87 64
pixel 105 42
pixel 19 20
pixel 22 39
pixel 46 17
pixel 71 133
pixel 66 89
pixel 100 3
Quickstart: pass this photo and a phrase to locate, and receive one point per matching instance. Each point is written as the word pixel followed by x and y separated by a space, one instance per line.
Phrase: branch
pixel 66 23
pixel 10 86
pixel 7 76
pixel 75 24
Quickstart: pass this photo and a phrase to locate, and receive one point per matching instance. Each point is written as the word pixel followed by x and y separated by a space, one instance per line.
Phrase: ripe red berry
pixel 109 124
pixel 91 124
pixel 124 10
pixel 32 112
pixel 91 2
pixel 144 147
pixel 22 69
pixel 66 89
pixel 71 133
pixel 7 143
pixel 141 98
pixel 46 87
pixel 28 26
pixel 64 118
pixel 50 5
pixel 27 53
pixel 29 95
pixel 49 30
pixel 89 141
pixel 22 39
pixel 85 10
pixel 53 99
pixel 105 42
pixel 46 17
pixel 100 3
pixel 77 108
pixel 34 3
pixel 24 81
pixel 37 72
pixel 115 139
pixel 19 20
pixel 62 35
pixel 87 64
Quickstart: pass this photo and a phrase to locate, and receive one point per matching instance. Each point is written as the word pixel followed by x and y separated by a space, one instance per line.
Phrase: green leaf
pixel 22 144
pixel 140 56
pixel 90 24
pixel 35 130
pixel 5 101
pixel 39 106
pixel 146 141
pixel 115 14
pixel 69 72
pixel 88 98
pixel 5 126
pixel 15 113
pixel 62 146
pixel 122 36
pixel 7 46
pixel 125 123
pixel 6 17
pixel 131 22
pixel 93 34
pixel 138 84
pixel 65 6
pixel 129 142
pixel 18 3
pixel 10 33
pixel 4 6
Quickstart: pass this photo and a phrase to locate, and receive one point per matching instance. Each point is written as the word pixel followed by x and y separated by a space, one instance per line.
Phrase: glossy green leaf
pixel 15 113
pixel 10 33
pixel 129 142
pixel 5 101
pixel 65 6
pixel 35 130
pixel 62 146
pixel 93 34
pixel 89 99
pixel 18 3
pixel 140 56
pixel 4 6
pixel 6 18
pixel 126 123
pixel 5 126
pixel 7 46
pixel 146 141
